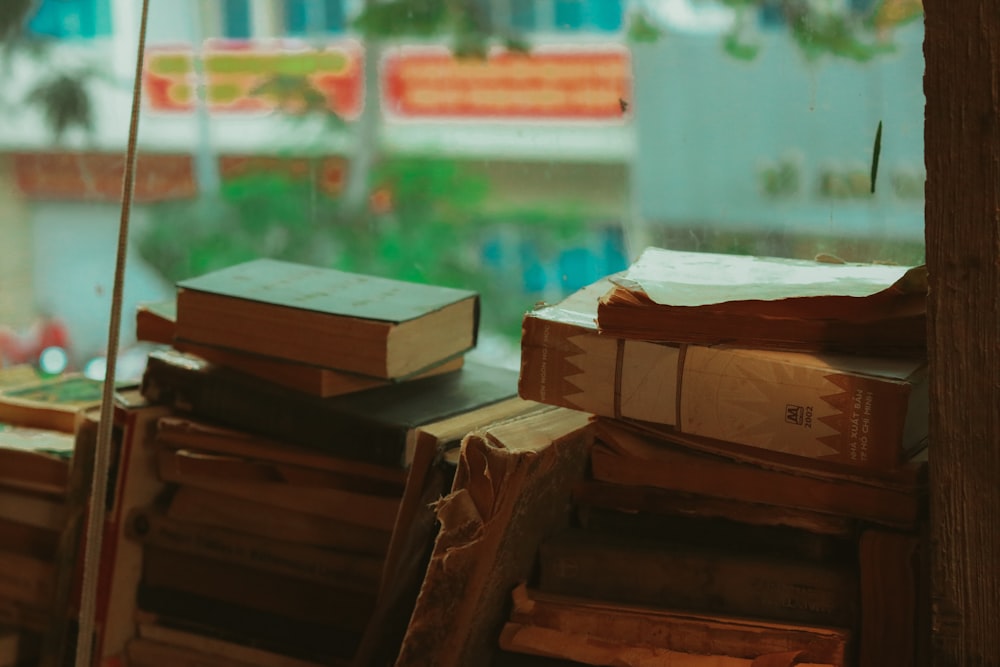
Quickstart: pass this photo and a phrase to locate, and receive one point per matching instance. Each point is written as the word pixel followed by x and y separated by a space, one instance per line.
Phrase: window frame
pixel 962 235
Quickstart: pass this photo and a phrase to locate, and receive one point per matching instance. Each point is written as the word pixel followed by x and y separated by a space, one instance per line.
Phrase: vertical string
pixel 99 482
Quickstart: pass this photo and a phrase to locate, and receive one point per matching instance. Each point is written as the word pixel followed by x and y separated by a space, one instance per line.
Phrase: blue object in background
pixel 236 19
pixel 299 20
pixel 71 19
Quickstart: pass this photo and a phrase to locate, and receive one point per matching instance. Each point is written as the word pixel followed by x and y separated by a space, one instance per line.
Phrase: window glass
pixel 522 148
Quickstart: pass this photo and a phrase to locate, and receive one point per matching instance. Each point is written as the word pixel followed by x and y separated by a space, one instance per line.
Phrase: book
pixel 209 508
pixel 737 582
pixel 590 494
pixel 150 653
pixel 212 472
pixel 151 527
pixel 718 533
pixel 33 509
pixel 353 322
pixel 864 412
pixel 302 639
pixel 511 489
pixel 132 482
pixel 9 639
pixel 768 302
pixel 255 588
pixel 34 459
pixel 184 432
pixel 149 630
pixel 26 579
pixel 890 587
pixel 627 457
pixel 563 626
pixel 156 323
pixel 430 478
pixel 50 403
pixel 374 426
pixel 28 540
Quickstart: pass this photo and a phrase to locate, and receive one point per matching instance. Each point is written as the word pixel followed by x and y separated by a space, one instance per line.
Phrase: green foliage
pixel 468 23
pixel 833 34
pixel 13 15
pixel 641 31
pixel 64 101
pixel 817 31
pixel 733 44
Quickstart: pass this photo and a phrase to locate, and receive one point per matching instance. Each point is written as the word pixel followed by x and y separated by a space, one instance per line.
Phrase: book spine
pixel 322 566
pixel 246 403
pixel 797 405
pixel 305 640
pixel 256 589
pixel 25 579
pixel 703 580
pixel 881 505
pixel 568 365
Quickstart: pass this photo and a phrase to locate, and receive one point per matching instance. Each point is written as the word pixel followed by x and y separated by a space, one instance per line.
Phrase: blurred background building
pixel 584 130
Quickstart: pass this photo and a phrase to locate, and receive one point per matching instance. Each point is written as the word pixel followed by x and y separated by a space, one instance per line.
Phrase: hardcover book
pixel 698 578
pixel 626 457
pixel 859 411
pixel 596 632
pixel 359 323
pixel 50 403
pixel 768 302
pixel 374 426
pixel 156 323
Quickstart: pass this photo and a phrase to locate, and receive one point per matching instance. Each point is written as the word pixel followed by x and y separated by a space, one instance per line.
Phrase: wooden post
pixel 962 144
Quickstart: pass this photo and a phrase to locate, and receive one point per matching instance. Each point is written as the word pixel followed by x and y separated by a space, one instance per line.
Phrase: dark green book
pixel 353 322
pixel 374 426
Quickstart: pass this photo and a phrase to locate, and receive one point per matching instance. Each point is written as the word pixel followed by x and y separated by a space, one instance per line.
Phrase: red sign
pixel 241 78
pixel 99 176
pixel 584 84
pixel 329 171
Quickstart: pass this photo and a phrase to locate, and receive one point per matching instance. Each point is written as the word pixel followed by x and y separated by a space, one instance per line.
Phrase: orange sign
pixel 98 176
pixel 586 84
pixel 244 78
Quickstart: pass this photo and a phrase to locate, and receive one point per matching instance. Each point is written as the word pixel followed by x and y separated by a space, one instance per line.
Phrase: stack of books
pixel 309 420
pixel 756 488
pixel 37 422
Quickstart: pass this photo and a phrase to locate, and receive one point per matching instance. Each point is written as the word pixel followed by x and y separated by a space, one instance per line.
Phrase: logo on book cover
pixel 799 415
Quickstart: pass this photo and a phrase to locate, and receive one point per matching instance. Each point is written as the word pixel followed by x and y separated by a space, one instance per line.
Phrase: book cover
pixel 564 626
pixel 353 322
pixel 205 507
pixel 50 403
pixel 431 477
pixel 156 323
pixel 34 459
pixel 511 489
pixel 375 426
pixel 859 411
pixel 212 647
pixel 740 582
pixel 626 457
pixel 364 509
pixel 255 588
pixel 297 638
pixel 769 302
pixel 151 527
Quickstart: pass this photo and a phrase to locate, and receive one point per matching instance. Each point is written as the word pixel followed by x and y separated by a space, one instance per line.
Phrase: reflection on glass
pixel 523 148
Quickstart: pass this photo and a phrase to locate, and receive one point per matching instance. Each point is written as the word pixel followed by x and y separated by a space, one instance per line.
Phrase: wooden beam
pixel 962 144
